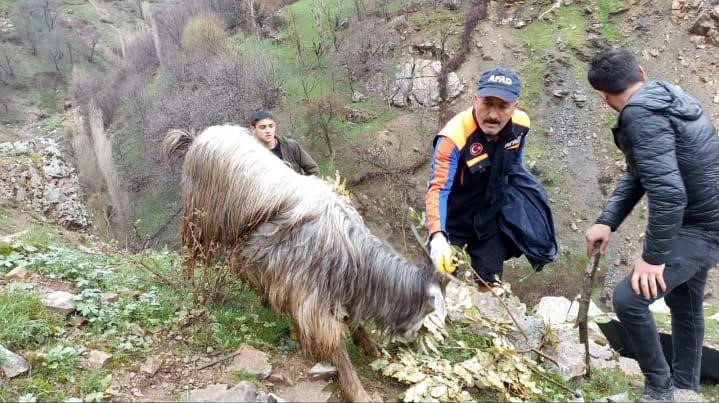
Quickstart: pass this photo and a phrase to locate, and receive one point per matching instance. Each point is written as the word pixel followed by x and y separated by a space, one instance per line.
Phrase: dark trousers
pixel 487 253
pixel 685 275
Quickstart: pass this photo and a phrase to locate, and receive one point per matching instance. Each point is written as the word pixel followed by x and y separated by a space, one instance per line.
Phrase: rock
pixel 77 320
pixel 629 367
pixel 96 359
pixel 242 392
pixel 18 273
pixel 621 397
pixel 322 371
pixel 61 301
pixel 251 362
pixel 659 306
pixel 570 359
pixel 453 4
pixel 110 297
pixel 560 93
pixel 574 310
pixel 553 310
pixel 416 84
pixel 281 378
pixel 579 98
pixel 304 392
pixel 11 363
pixel 358 96
pixel 151 365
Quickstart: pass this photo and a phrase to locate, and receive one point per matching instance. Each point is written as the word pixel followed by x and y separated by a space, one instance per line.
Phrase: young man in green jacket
pixel 263 126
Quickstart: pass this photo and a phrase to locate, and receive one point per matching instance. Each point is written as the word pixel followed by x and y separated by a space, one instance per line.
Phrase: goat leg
pixel 362 339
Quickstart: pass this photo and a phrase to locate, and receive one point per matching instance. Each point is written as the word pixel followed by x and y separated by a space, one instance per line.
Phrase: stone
pixel 416 84
pixel 574 310
pixel 18 273
pixel 322 371
pixel 281 378
pixel 110 297
pixel 553 310
pixel 61 301
pixel 251 362
pixel 358 96
pixel 621 397
pixel 659 306
pixel 570 359
pixel 12 364
pixel 629 366
pixel 96 359
pixel 242 392
pixel 151 365
pixel 304 392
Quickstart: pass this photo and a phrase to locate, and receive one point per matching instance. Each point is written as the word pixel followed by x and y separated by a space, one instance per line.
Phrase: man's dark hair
pixel 261 114
pixel 613 71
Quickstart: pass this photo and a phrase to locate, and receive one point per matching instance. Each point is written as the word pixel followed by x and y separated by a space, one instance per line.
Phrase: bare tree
pixel 8 58
pixel 322 116
pixel 27 23
pixel 52 46
pixel 360 8
pixel 367 55
pixel 50 11
pixel 170 21
pixel 90 35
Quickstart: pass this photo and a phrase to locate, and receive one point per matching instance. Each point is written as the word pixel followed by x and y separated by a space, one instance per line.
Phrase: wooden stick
pixel 219 360
pixel 584 300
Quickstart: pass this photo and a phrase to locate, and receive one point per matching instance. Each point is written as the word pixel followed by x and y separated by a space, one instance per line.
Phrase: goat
pixel 302 247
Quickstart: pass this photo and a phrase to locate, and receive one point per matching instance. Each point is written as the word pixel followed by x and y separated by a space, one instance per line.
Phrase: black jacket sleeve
pixel 625 196
pixel 652 139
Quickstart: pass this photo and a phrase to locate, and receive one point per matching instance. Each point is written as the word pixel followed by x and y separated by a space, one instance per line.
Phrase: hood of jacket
pixel 660 96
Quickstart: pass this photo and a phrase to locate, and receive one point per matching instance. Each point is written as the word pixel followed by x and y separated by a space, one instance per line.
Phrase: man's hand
pixel 441 253
pixel 598 233
pixel 646 277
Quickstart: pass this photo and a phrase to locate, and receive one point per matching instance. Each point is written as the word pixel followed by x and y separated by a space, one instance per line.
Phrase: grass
pixel 52 123
pixel 604 8
pixel 156 207
pixel 563 277
pixel 24 321
pixel 541 36
pixel 605 382
pixel 241 318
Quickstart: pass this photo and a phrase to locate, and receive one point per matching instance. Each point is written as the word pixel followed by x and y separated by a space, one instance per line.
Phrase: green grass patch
pixel 51 124
pixel 605 382
pixel 24 321
pixel 6 227
pixel 604 8
pixel 91 13
pixel 241 318
pixel 47 99
pixel 563 277
pixel 156 207
pixel 568 27
pixel 39 237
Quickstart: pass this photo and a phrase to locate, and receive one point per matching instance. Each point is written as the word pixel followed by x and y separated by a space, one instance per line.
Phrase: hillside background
pixel 363 85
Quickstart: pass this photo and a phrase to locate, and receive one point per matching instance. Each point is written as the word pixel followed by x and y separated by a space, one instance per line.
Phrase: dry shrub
pixel 203 35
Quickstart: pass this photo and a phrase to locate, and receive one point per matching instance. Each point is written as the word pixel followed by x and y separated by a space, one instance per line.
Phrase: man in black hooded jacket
pixel 672 153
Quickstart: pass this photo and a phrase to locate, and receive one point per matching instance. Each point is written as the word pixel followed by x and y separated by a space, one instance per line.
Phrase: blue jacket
pixel 525 217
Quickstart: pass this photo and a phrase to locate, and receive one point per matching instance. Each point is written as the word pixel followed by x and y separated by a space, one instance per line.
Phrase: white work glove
pixel 441 253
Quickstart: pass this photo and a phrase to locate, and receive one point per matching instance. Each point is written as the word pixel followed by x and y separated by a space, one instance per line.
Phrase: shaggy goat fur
pixel 301 246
